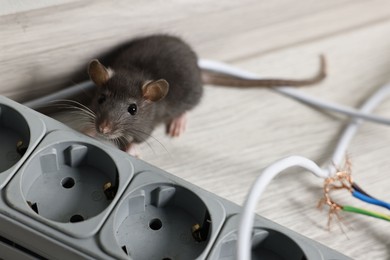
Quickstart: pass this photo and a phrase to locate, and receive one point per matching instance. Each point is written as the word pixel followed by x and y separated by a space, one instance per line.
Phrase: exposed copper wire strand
pixel 341 180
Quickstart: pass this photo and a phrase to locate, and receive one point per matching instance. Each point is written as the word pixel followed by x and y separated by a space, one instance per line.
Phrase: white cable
pixel 258 187
pixel 369 105
pixel 248 213
pixel 292 92
pixel 363 113
pixel 64 93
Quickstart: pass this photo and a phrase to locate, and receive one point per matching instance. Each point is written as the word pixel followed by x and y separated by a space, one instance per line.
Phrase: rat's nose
pixel 105 127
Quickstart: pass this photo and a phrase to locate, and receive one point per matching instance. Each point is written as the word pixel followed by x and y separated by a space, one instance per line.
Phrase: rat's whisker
pixel 155 139
pixel 74 102
pixel 81 113
pixel 116 142
pixel 122 141
pixel 92 115
pixel 146 142
pixel 72 106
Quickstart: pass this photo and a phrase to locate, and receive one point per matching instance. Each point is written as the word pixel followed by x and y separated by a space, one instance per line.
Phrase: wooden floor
pixel 233 134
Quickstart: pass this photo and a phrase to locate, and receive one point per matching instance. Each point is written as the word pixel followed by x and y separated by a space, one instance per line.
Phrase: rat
pixel 155 80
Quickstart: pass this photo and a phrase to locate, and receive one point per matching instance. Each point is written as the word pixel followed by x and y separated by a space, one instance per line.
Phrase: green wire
pixel 366 212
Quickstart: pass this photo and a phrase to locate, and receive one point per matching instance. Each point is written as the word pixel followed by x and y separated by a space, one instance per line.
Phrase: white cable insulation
pixel 292 92
pixel 248 214
pixel 363 113
pixel 61 94
pixel 369 105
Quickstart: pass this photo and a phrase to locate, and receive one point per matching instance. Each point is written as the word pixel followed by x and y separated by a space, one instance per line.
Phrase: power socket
pixel 68 196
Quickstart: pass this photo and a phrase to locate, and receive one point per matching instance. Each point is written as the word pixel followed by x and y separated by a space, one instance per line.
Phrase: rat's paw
pixel 177 126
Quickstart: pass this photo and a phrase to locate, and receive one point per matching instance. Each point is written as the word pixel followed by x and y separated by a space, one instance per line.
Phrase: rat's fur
pixel 145 60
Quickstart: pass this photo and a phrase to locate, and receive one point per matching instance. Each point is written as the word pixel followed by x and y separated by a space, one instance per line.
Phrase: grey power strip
pixel 67 196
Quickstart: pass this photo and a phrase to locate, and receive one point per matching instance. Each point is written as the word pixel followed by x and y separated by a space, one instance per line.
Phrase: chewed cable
pixel 342 180
pixel 247 215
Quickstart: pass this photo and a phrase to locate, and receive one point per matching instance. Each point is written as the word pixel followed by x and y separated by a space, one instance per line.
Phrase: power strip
pixel 68 196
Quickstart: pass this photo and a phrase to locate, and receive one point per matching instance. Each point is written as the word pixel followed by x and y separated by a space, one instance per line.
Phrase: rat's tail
pixel 217 78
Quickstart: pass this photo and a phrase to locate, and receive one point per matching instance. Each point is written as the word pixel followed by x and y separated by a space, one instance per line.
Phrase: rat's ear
pixel 98 73
pixel 155 90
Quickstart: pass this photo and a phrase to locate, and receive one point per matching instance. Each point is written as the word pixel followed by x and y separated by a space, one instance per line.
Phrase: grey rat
pixel 155 80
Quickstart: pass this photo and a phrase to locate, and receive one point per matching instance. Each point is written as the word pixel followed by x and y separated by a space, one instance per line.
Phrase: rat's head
pixel 124 103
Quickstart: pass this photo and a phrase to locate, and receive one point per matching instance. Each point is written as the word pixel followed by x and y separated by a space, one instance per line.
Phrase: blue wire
pixel 370 200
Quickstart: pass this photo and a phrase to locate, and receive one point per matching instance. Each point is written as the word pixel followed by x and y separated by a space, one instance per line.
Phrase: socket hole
pixel 155 224
pixel 167 258
pixel 67 183
pixel 33 206
pixel 124 248
pixel 76 218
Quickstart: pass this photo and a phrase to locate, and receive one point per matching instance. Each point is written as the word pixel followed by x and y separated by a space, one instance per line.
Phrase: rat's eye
pixel 132 109
pixel 102 98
